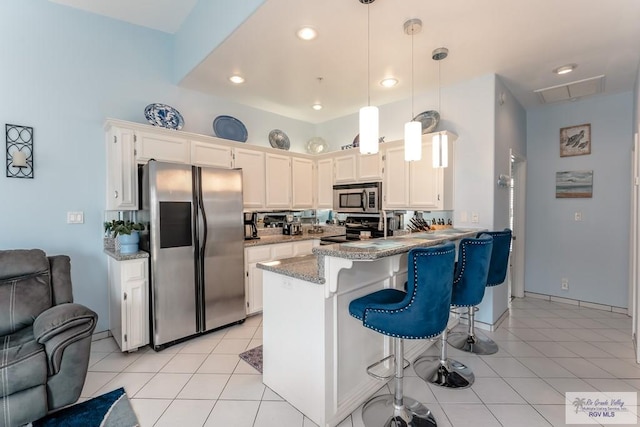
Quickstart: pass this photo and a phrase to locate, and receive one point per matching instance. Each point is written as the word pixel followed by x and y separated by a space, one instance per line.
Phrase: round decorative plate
pixel 164 116
pixel 228 127
pixel 429 120
pixel 279 139
pixel 316 145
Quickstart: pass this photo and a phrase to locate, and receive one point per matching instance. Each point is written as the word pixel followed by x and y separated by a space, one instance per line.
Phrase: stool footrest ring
pixel 392 369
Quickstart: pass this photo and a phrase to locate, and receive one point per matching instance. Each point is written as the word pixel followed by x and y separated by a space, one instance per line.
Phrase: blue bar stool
pixel 468 289
pixel 497 273
pixel 421 312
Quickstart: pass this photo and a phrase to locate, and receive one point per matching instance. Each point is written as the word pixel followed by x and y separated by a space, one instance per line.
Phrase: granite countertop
pixel 303 267
pixel 271 239
pixel 311 267
pixel 125 257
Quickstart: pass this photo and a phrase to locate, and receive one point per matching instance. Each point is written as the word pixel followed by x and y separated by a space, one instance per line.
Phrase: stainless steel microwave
pixel 358 198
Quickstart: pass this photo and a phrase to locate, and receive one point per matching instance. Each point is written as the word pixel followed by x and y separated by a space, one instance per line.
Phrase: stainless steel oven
pixel 358 198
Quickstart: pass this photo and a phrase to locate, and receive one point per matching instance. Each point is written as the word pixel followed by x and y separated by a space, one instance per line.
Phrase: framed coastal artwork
pixel 574 184
pixel 575 140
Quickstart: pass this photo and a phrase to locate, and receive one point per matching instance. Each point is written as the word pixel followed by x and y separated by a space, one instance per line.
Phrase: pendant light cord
pixel 439 89
pixel 368 55
pixel 412 86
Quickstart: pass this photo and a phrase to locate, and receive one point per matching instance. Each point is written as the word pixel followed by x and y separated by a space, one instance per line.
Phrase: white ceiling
pixel 522 41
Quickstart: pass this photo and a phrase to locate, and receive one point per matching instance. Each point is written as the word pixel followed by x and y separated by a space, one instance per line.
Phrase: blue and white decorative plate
pixel 228 127
pixel 429 120
pixel 164 116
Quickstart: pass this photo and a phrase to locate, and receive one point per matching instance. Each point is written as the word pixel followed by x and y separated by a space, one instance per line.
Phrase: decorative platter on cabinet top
pixel 316 145
pixel 279 139
pixel 429 120
pixel 164 116
pixel 228 127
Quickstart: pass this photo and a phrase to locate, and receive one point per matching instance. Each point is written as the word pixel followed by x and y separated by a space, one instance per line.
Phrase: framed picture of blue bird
pixel 575 140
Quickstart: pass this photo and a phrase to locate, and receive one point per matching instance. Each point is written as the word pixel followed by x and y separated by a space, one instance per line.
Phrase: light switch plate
pixel 75 217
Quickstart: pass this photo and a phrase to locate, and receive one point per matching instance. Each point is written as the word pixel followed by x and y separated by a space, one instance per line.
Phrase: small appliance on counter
pixel 292 227
pixel 250 225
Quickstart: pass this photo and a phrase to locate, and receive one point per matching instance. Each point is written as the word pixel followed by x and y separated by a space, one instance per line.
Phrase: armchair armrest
pixel 60 326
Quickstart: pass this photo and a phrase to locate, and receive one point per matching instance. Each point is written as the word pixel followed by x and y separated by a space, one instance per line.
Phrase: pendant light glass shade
pixel 440 150
pixel 412 141
pixel 368 130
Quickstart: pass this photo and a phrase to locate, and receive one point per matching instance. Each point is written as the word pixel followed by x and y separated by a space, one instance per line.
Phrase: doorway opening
pixel 518 168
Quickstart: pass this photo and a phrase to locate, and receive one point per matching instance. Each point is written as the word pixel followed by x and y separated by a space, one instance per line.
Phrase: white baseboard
pixel 482 325
pixel 100 335
pixel 579 303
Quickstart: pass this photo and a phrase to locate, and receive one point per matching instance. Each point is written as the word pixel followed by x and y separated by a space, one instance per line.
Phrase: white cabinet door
pixel 278 181
pixel 129 302
pixel 122 174
pixel 425 182
pixel 345 168
pixel 396 179
pixel 253 173
pixel 253 284
pixel 207 154
pixel 301 183
pixel 304 247
pixel 162 148
pixel 370 167
pixel 324 184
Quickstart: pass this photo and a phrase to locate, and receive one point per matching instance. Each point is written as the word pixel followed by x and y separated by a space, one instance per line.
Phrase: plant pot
pixel 129 242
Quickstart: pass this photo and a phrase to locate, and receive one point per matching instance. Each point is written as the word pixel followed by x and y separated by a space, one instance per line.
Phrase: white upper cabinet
pixel 253 173
pixel 301 183
pixel 356 167
pixel 396 179
pixel 370 167
pixel 278 181
pixel 345 168
pixel 417 185
pixel 122 174
pixel 208 154
pixel 161 147
pixel 324 184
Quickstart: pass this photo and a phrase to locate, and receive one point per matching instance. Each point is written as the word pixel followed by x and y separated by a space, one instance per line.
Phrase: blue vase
pixel 129 242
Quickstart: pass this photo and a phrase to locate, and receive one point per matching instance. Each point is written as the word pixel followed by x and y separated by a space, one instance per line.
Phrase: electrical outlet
pixel 564 284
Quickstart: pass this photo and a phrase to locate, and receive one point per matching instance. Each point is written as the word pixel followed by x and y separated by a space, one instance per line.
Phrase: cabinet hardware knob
pixel 125 296
pixel 115 194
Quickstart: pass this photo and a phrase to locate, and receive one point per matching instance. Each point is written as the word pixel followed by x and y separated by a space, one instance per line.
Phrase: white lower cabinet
pixel 129 302
pixel 266 253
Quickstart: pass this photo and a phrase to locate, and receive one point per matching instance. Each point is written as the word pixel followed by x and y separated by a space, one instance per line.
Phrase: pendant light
pixel 412 129
pixel 369 114
pixel 440 140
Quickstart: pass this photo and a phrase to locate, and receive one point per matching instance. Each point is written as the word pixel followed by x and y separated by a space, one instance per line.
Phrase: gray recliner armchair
pixel 45 339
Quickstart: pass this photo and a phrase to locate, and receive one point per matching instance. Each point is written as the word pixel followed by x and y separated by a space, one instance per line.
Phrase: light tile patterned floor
pixel 546 348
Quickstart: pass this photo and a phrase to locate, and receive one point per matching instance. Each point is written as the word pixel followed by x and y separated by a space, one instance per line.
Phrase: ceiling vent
pixel 572 90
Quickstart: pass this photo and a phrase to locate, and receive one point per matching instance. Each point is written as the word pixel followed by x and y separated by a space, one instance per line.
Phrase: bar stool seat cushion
pixel 423 311
pixel 470 278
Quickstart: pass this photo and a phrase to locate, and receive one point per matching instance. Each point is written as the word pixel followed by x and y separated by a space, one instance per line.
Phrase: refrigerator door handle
pixel 203 217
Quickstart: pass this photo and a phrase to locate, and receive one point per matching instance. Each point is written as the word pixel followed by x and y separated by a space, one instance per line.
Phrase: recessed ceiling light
pixel 317 106
pixel 236 79
pixel 307 33
pixel 565 69
pixel 389 82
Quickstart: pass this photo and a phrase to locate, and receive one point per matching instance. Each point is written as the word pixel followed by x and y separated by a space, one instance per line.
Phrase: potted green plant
pixel 126 232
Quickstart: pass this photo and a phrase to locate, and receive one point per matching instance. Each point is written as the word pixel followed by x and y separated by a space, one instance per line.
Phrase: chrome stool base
pixel 380 411
pixel 472 344
pixel 451 374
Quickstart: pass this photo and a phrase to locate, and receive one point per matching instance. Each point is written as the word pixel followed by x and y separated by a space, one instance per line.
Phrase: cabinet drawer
pixel 134 269
pixel 284 250
pixel 260 253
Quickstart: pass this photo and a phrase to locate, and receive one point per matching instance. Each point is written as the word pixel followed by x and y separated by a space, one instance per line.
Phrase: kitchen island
pixel 316 354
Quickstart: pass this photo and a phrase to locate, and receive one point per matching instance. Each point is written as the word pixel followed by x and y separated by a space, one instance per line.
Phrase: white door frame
pixel 518 170
pixel 632 309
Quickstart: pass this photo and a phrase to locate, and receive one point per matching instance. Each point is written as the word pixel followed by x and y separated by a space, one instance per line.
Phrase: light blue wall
pixel 593 253
pixel 64 72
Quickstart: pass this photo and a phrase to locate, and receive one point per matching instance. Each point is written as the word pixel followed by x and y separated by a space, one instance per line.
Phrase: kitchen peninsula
pixel 315 353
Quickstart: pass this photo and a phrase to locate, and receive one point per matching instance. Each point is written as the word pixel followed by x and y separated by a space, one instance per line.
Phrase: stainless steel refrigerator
pixel 196 247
